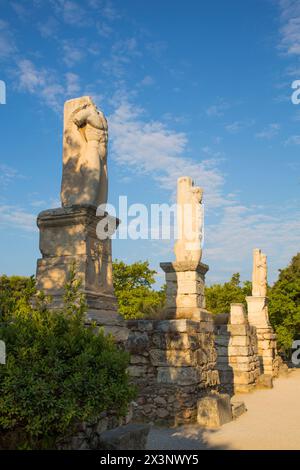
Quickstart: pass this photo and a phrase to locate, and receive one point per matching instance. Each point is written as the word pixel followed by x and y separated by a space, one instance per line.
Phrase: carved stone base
pixel 68 236
pixel 258 311
pixel 185 290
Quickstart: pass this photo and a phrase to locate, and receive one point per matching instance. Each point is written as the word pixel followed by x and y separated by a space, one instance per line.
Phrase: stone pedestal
pixel 258 317
pixel 68 236
pixel 185 290
pixel 236 344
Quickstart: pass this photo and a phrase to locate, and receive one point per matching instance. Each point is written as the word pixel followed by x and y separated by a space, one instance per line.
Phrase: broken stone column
pixel 242 350
pixel 258 315
pixel 185 278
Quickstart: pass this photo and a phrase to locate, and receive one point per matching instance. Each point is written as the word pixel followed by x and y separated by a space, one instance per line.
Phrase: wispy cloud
pixel 237 126
pixel 269 132
pixel 290 26
pixel 7 41
pixel 17 218
pixel 154 149
pixel 293 140
pixel 45 84
pixel 218 109
pixel 8 174
pixel 246 228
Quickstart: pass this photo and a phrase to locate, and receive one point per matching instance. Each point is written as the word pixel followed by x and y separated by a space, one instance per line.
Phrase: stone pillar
pixel 242 350
pixel 258 315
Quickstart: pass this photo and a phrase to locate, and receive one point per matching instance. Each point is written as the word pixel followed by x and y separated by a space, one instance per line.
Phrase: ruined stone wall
pixel 173 364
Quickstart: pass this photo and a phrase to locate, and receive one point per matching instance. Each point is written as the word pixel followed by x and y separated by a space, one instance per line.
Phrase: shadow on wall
pixel 222 340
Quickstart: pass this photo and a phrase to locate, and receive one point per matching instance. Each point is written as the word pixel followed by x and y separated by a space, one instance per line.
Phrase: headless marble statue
pixel 259 276
pixel 189 221
pixel 84 179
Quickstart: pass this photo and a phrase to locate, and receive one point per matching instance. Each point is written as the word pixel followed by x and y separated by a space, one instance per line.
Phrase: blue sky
pixel 201 88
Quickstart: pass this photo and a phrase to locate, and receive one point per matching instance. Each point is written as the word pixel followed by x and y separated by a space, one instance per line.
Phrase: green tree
pixel 284 307
pixel 133 287
pixel 220 296
pixel 13 290
pixel 59 372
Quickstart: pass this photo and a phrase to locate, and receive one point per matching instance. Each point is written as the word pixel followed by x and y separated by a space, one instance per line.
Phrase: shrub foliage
pixel 59 372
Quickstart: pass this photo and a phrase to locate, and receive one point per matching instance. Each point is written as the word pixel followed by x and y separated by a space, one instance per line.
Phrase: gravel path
pixel 271 422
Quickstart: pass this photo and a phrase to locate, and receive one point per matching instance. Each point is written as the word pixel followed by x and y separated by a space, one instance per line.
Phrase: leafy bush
pixel 284 305
pixel 59 372
pixel 132 284
pixel 13 290
pixel 220 296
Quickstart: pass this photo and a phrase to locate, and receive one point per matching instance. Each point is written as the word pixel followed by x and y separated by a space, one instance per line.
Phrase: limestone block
pixel 188 300
pixel 189 287
pixel 172 325
pixel 129 437
pixel 237 314
pixel 177 358
pixel 238 330
pixel 238 351
pixel 258 311
pixel 137 371
pixel 178 375
pixel 240 359
pixel 238 408
pixel 181 341
pixel 243 378
pixel 264 381
pixel 137 343
pixel 239 341
pixel 214 411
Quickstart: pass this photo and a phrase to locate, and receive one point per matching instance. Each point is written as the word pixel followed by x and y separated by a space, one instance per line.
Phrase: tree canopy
pixel 133 288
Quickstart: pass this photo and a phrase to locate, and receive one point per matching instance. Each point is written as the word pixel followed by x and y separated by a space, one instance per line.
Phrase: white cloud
pixel 293 140
pixel 72 85
pixel 269 132
pixel 44 83
pixel 147 81
pixel 8 174
pixel 230 241
pixel 290 26
pixel 217 109
pixel 154 149
pixel 17 218
pixel 72 54
pixel 237 126
pixel 7 42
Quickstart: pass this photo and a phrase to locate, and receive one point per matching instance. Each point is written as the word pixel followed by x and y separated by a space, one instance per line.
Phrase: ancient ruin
pixel 187 364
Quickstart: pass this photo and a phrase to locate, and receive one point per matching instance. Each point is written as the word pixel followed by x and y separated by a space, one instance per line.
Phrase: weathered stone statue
pixel 259 274
pixel 185 278
pixel 84 179
pixel 68 235
pixel 189 221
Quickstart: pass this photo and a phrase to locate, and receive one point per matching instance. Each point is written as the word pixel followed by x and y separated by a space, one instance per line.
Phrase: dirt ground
pixel 272 421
